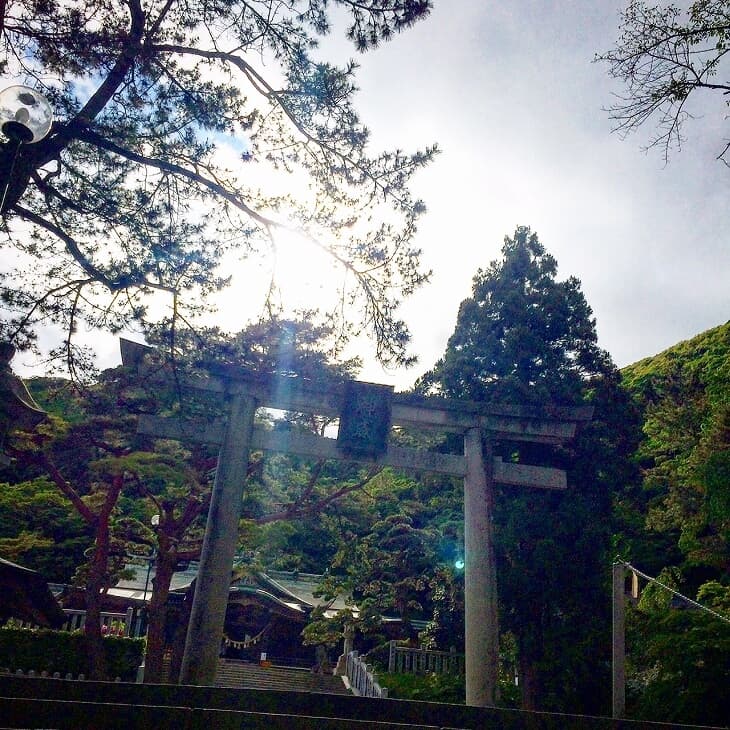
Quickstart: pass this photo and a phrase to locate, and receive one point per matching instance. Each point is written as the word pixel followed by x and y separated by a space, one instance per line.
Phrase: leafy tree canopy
pixel 181 130
pixel 38 530
pixel 685 454
pixel 681 516
pixel 665 54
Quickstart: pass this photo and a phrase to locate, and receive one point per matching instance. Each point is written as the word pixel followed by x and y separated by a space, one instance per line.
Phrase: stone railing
pixel 362 679
pixel 404 660
pixel 121 624
pixel 30 674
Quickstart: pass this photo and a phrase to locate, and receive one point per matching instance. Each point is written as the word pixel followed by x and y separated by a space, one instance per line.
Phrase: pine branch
pixel 294 510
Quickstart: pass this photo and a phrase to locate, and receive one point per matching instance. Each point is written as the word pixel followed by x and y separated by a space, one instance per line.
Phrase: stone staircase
pixel 244 675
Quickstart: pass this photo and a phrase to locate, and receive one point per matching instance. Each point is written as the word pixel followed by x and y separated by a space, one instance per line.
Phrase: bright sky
pixel 510 93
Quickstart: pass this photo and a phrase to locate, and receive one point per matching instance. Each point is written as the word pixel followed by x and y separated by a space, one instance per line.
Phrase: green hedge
pixel 424 687
pixel 42 650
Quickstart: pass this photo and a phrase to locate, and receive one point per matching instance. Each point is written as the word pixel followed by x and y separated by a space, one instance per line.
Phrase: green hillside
pixel 705 357
pixel 675 523
pixel 684 396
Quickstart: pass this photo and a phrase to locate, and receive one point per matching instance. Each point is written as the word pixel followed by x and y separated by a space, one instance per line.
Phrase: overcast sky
pixel 510 93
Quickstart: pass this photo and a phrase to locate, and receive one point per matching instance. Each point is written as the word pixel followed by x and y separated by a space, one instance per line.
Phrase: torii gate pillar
pixel 480 574
pixel 208 613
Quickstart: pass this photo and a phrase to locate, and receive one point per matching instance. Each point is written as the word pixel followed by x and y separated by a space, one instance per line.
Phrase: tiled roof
pixel 293 589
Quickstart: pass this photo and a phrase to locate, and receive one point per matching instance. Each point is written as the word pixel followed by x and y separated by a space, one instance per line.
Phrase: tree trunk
pixel 97 581
pixel 529 684
pixel 157 617
pixel 92 598
pixel 94 638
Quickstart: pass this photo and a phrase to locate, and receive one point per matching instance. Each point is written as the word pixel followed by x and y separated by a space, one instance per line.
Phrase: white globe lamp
pixel 25 115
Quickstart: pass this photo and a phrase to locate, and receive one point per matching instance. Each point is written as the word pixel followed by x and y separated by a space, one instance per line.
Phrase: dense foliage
pixel 676 525
pixel 38 530
pixel 426 688
pixel 188 134
pixel 684 394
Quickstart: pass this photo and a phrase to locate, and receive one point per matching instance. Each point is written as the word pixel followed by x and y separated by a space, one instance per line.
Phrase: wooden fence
pixel 404 660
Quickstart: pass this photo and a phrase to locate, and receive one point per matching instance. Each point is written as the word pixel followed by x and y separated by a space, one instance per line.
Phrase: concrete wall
pixel 56 703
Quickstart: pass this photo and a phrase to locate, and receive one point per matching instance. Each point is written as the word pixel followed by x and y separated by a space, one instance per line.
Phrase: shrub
pixel 424 687
pixel 42 650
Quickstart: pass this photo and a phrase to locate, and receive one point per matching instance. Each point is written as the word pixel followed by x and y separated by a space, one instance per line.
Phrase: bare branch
pixel 663 59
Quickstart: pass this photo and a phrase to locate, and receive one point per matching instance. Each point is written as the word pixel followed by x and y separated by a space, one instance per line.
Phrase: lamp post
pixel 25 118
pixel 154 521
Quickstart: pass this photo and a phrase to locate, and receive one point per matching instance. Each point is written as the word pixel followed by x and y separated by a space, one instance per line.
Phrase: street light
pixel 25 118
pixel 154 521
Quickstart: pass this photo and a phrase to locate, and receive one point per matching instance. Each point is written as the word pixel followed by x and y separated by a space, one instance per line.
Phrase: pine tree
pixel 181 131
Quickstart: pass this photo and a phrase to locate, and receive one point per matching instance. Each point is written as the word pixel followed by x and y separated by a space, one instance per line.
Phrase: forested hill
pixel 674 523
pixel 684 396
pixel 707 356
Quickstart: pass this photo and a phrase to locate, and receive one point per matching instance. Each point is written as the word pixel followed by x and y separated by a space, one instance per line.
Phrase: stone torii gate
pixel 366 414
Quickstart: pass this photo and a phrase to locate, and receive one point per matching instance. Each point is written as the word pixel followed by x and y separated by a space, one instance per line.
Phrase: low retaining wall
pixel 128 706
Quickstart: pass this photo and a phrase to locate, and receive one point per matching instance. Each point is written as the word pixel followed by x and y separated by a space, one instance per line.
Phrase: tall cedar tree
pixel 181 130
pixel 526 338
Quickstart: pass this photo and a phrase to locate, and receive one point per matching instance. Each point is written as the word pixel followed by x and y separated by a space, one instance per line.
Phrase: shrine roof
pixel 302 587
pixel 296 590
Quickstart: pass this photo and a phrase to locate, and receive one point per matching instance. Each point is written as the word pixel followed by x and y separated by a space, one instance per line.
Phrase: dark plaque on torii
pixel 365 419
pixel 366 413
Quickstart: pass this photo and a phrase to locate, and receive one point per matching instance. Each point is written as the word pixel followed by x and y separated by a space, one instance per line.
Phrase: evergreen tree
pixel 522 336
pixel 181 130
pixel 525 337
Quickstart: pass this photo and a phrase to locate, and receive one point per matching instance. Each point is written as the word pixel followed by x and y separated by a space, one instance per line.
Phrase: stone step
pixel 236 674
